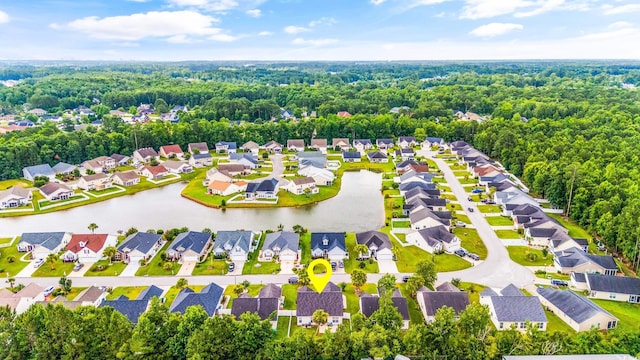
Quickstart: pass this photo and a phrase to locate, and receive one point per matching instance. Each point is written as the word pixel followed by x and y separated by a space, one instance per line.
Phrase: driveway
pixel 239 265
pixel 131 269
pixel 286 267
pixel 81 272
pixel 187 268
pixel 387 267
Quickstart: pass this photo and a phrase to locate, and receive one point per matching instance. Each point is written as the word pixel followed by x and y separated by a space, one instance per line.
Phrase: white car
pixel 38 263
pixel 48 290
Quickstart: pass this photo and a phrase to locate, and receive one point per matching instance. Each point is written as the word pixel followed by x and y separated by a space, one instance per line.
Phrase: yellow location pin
pixel 319 282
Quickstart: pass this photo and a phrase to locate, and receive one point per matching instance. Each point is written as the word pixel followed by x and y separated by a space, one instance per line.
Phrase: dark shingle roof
pixel 518 309
pixel 370 238
pixel 209 298
pixel 334 240
pixel 370 304
pixel 613 284
pixel 132 309
pixel 576 307
pixel 434 235
pixel 49 240
pixel 140 241
pixel 227 240
pixel 270 291
pixel 434 300
pixel 330 300
pixel 351 155
pixel 283 240
pixel 376 155
pixel 574 257
pixel 511 290
pixel 150 292
pixel 190 240
pixel 446 286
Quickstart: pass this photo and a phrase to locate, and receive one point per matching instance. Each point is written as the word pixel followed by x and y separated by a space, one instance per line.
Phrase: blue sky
pixel 167 30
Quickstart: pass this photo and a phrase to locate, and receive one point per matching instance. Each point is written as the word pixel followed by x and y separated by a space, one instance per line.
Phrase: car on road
pixel 232 266
pixel 293 280
pixel 78 266
pixel 470 209
pixel 558 282
pixel 473 256
pixel 405 278
pixel 460 252
pixel 48 291
pixel 38 263
pixel 469 199
pixel 477 191
pixel 460 224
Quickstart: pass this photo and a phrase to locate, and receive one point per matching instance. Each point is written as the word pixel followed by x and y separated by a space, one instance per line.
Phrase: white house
pixel 87 248
pixel 15 196
pixel 301 185
pixel 54 191
pixel 42 244
pixel 98 181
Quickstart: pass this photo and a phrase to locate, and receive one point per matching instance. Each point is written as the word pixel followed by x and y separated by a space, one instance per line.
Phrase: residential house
pixel 448 295
pixel 319 145
pixel 344 114
pixel 510 307
pixel 145 155
pixel 98 181
pixel 265 305
pixel 377 157
pixel 295 145
pixel 300 186
pixel 91 296
pixel 121 160
pixel 235 244
pixel 250 147
pixel 42 244
pixel 311 158
pixel 434 239
pixel 273 147
pixel 217 175
pixel 171 151
pixel 425 218
pixel 126 178
pixel 14 196
pixel 330 300
pixel 378 244
pixel 417 193
pixel 63 168
pixel 407 141
pixel 177 167
pixel 410 164
pixel 341 144
pixel 576 260
pixel 132 309
pixel 92 166
pixel 580 313
pixel 87 248
pixel 408 186
pixel 31 172
pixel 384 144
pixel 412 175
pixel 416 203
pixel 54 191
pixel 37 112
pixel 610 287
pixel 281 244
pixel 361 145
pixel 226 147
pixel 265 189
pixel 433 141
pixel 190 246
pixel 249 161
pixel 139 246
pixel 23 299
pixel 223 188
pixel 286 114
pixel 371 303
pixel 322 177
pixel 233 169
pixel 198 148
pixel 201 160
pixel 540 232
pixel 404 154
pixel 556 245
pixel 525 213
pixel 329 245
pixel 153 172
pixel 351 156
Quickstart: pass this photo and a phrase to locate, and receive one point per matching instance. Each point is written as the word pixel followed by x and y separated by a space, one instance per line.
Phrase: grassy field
pixel 129 291
pixel 415 315
pixel 305 248
pixel 489 209
pixel 471 241
pixel 4 241
pixel 449 262
pixel 473 289
pixel 499 221
pixel 574 229
pixel 59 269
pixel 14 267
pixel 449 197
pixel 353 301
pixel 468 181
pixel 461 173
pixel 519 255
pixel 252 290
pixel 114 269
pixel 462 217
pixel 351 263
pixel 290 293
pixel 5 184
pixel 444 188
pixel 628 314
pixel 556 324
pixel 74 292
pixel 454 207
pixel 155 267
pixel 173 291
pixel 211 266
pixel 264 268
pixel 401 224
pixel 508 234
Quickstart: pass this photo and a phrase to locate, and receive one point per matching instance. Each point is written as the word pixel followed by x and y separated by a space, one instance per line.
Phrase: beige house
pixel 322 177
pixel 92 165
pixel 580 313
pixel 126 178
pixel 509 307
pixel 153 172
pixel 341 144
pixel 99 181
pixel 177 167
pixel 54 191
pixel 616 288
pixel 15 196
pixel 224 188
pixel 216 175
pixel 301 185
pixel 23 299
pixel 576 260
pixel 106 162
pixel 250 147
pixel 319 144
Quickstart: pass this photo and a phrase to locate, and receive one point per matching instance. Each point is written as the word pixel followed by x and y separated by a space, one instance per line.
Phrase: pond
pixel 357 207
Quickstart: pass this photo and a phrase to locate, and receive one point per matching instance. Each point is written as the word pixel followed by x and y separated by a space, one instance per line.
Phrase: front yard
pixel 351 263
pixel 131 292
pixel 102 268
pixel 489 209
pixel 211 266
pixel 415 315
pixel 16 265
pixel 173 291
pixel 252 290
pixel 499 221
pixel 449 262
pixel 527 256
pixel 471 241
pixel 158 267
pixel 508 234
pixel 59 269
pixel 290 293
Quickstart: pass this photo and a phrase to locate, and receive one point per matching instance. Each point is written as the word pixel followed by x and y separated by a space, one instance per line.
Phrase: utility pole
pixel 573 179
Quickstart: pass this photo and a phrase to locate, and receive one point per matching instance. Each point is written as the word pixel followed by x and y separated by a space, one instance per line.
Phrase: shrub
pixel 545 252
pixel 455 282
pixel 11 259
pixel 362 265
pixel 541 272
pixel 532 256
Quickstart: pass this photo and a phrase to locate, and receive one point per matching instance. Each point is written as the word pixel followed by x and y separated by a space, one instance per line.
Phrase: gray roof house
pixel 265 189
pixel 265 304
pixel 64 168
pixel 423 218
pixel 247 159
pixel 434 239
pixel 236 244
pixel 226 147
pixel 200 147
pixel 329 245
pixel 351 156
pixel 209 298
pixel 378 243
pixel 430 301
pixel 384 143
pixel 139 246
pixel 132 309
pixel 14 196
pixel 42 244
pixel 190 246
pixel 578 312
pixel 576 260
pixel 371 303
pixel 618 288
pixel 510 307
pixel 329 300
pixel 30 172
pixel 283 244
pixel 377 157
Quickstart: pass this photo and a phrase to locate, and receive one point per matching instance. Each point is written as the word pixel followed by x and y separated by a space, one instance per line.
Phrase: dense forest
pixel 54 332
pixel 569 130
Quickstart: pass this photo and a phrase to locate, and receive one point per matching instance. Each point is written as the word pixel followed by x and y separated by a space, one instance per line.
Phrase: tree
pixel 387 315
pixel 11 281
pixel 51 260
pixel 238 289
pixel 387 282
pixel 298 229
pixel 414 284
pixel 426 269
pixel 303 278
pixel 280 227
pixel 320 317
pixel 65 285
pixel 110 252
pixel 182 283
pixel 92 227
pixel 245 284
pixel 358 278
pixel 361 249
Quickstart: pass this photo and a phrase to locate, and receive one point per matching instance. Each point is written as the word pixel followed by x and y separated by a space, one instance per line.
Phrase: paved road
pixel 277 166
pixel 497 269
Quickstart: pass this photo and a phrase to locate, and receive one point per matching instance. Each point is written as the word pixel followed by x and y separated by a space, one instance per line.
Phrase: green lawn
pixel 5 240
pixel 351 263
pixel 14 267
pixel 59 269
pixel 401 224
pixel 353 301
pixel 449 197
pixel 60 202
pixel 574 229
pixel 305 248
pixel 519 255
pixel 468 181
pixel 409 256
pixel 499 221
pixel 444 188
pixel 283 327
pixel 155 267
pixel 553 275
pixel 105 191
pixel 5 184
pixel 114 269
pixel 454 207
pixel 129 291
pixel 556 324
pixel 290 293
pixel 473 289
pixel 74 292
pixel 462 217
pixel 173 291
pixel 495 209
pixel 449 262
pixel 252 290
pixel 458 167
pixel 415 315
pixel 211 266
pixel 461 173
pixel 471 241
pixel 439 180
pixel 271 267
pixel 508 234
pixel 628 314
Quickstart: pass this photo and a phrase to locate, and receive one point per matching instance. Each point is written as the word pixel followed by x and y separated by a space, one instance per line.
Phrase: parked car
pixel 490 202
pixel 38 263
pixel 460 252
pixel 232 267
pixel 558 282
pixel 334 265
pixel 477 191
pixel 405 278
pixel 473 256
pixel 78 266
pixel 470 209
pixel 460 224
pixel 340 264
pixel 470 199
pixel 48 290
pixel 293 280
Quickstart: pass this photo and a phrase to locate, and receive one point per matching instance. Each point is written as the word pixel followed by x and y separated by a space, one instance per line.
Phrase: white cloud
pixel 179 39
pixel 175 26
pixel 292 29
pixel 615 31
pixel 622 9
pixel 4 17
pixel 313 42
pixel 209 5
pixel 323 21
pixel 377 2
pixel 415 3
pixel 256 13
pixel 545 7
pixel 482 9
pixel 265 33
pixel 495 29
pixel 223 37
pixel 139 1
